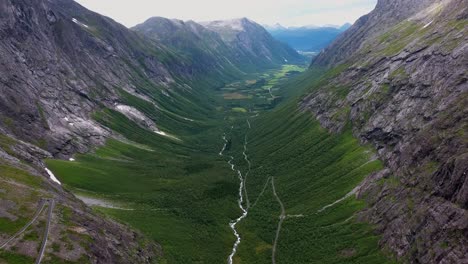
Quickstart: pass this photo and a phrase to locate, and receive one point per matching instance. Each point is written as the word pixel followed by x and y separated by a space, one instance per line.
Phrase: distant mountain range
pixel 234 45
pixel 307 38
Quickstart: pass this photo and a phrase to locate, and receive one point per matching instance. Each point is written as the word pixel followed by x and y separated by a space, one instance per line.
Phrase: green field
pixel 182 194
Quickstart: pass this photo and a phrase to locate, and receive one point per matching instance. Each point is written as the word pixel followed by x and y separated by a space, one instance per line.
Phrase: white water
pixel 233 223
pixel 240 201
pixel 246 158
pixel 225 144
pixel 52 176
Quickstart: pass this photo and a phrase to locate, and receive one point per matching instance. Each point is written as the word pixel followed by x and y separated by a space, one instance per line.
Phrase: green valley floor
pixel 182 187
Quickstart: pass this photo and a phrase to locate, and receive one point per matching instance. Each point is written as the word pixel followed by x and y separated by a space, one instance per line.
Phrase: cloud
pixel 287 12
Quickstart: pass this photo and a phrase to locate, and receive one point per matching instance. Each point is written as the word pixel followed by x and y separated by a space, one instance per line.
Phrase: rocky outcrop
pixel 402 86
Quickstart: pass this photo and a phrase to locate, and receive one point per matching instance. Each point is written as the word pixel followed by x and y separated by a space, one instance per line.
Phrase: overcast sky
pixel 285 12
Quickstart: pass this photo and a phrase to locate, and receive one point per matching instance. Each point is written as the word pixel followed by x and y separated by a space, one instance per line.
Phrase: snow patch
pixel 52 176
pixel 79 23
pixel 100 203
pixel 234 24
pixel 161 133
pixel 164 134
pixel 71 159
pixel 188 119
pixel 428 24
pixel 165 93
pixel 136 116
pixel 351 193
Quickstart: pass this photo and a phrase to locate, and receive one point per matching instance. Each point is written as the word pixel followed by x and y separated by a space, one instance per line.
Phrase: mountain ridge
pixel 234 41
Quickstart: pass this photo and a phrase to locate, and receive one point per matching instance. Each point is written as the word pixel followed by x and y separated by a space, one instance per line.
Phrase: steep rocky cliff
pixel 398 78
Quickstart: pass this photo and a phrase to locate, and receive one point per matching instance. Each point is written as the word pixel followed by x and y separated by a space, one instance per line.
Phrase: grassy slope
pixel 311 169
pixel 183 197
pixel 183 194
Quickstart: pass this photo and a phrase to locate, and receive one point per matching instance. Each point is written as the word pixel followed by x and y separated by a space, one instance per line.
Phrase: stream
pixel 240 200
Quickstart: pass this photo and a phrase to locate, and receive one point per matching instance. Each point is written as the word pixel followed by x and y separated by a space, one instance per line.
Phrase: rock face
pixel 402 85
pixel 60 62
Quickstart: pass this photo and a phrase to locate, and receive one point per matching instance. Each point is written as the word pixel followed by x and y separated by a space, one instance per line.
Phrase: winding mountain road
pixel 261 193
pixel 40 207
pixel 280 223
pixel 271 94
pixel 46 232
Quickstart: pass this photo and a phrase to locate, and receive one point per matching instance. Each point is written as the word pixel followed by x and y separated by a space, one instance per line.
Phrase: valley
pixel 176 141
pixel 149 171
pixel 188 195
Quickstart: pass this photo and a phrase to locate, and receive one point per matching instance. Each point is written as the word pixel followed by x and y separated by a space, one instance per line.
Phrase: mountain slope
pixel 402 85
pixel 56 63
pixel 202 46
